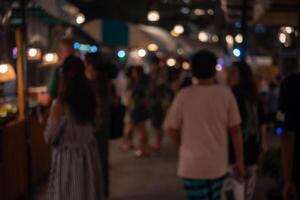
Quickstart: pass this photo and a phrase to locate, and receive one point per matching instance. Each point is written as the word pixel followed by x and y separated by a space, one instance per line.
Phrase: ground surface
pixel 152 178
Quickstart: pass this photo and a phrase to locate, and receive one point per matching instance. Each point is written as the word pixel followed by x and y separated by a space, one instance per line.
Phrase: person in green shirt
pixel 66 49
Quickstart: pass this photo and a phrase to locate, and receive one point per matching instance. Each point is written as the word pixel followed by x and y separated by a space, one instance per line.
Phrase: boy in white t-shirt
pixel 199 120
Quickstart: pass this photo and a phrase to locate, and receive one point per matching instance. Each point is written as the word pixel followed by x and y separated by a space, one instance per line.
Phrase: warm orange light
pixel 7 73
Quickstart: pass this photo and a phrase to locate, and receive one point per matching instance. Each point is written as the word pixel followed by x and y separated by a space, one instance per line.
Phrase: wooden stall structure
pixel 14 181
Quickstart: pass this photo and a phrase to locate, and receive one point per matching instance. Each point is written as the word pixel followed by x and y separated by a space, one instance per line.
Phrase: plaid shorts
pixel 209 189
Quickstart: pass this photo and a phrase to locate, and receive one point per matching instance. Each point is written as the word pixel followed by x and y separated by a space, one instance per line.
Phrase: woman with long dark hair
pixel 76 169
pixel 243 85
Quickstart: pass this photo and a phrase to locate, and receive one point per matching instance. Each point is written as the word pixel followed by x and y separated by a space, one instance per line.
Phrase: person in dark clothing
pixel 242 82
pixel 289 116
pixel 137 111
pixel 100 74
pixel 159 98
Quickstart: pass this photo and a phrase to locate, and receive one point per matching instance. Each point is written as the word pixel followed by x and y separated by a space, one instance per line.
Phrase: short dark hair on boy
pixel 204 64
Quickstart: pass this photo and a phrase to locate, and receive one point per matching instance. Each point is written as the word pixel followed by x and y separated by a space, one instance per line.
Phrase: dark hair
pixel 153 59
pixel 105 71
pixel 76 93
pixel 204 64
pixel 101 65
pixel 140 72
pixel 247 85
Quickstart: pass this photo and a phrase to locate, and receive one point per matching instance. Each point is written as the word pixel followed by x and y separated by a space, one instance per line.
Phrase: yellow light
pixel 203 36
pixel 239 38
pixel 80 19
pixel 215 38
pixel 174 34
pixel 34 54
pixel 199 12
pixel 7 72
pixel 153 16
pixel 3 68
pixel 142 53
pixel 282 38
pixel 289 29
pixel 171 62
pixel 50 58
pixel 186 65
pixel 179 29
pixel 210 12
pixel 229 40
pixel 153 47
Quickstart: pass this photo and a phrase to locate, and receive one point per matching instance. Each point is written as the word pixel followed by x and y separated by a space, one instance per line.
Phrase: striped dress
pixel 75 169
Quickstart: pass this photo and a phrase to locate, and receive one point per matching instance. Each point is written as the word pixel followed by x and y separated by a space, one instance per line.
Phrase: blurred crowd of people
pixel 215 127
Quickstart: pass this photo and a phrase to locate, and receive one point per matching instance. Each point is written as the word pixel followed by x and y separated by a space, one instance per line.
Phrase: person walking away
pixel 137 111
pixel 254 123
pixel 289 116
pixel 198 122
pixel 158 98
pixel 98 73
pixel 75 170
pixel 66 49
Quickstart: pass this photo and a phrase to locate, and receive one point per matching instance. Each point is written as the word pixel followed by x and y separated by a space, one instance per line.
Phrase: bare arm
pixel 263 136
pixel 236 138
pixel 57 110
pixel 53 127
pixel 175 136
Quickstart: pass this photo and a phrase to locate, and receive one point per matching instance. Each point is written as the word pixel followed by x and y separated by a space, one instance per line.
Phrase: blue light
pixel 237 24
pixel 76 45
pixel 121 54
pixel 236 52
pixel 279 131
pixel 260 29
pixel 93 49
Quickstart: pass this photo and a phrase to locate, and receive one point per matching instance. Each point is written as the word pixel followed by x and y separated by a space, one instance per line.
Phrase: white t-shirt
pixel 203 114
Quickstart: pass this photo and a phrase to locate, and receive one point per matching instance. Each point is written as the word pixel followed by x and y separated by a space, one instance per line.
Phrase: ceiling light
pixel 174 34
pixel 199 12
pixel 50 58
pixel 171 62
pixel 215 38
pixel 153 47
pixel 210 12
pixel 203 36
pixel 239 38
pixel 80 19
pixel 236 52
pixel 34 54
pixel 289 29
pixel 229 40
pixel 7 72
pixel 179 29
pixel 153 16
pixel 186 66
pixel 142 53
pixel 282 38
pixel 121 54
